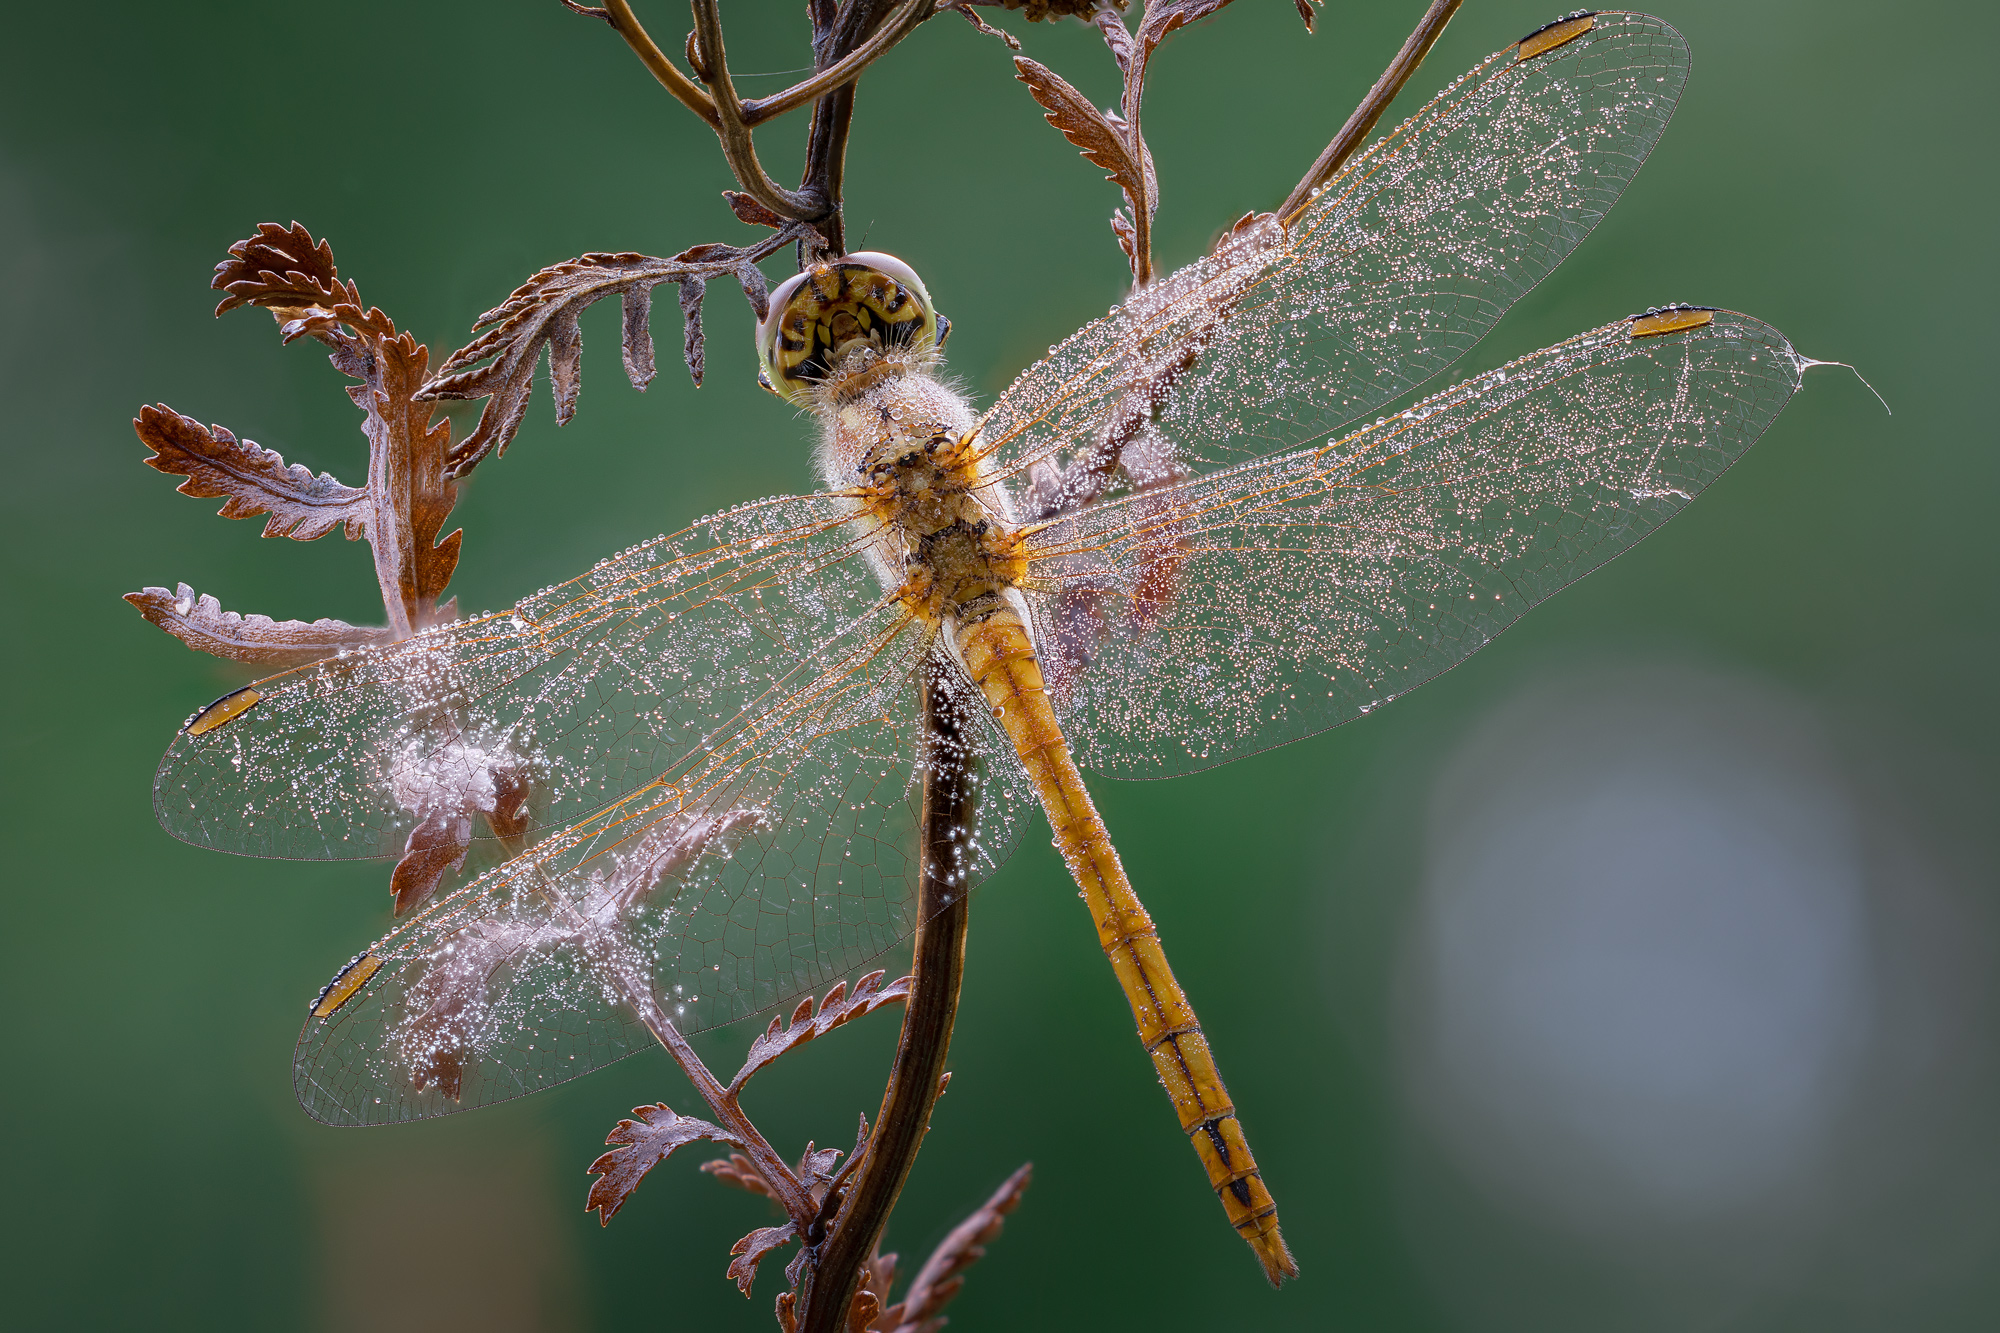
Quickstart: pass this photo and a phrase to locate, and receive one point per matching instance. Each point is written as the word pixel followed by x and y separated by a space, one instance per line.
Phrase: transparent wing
pixel 1193 624
pixel 761 870
pixel 700 759
pixel 1404 260
pixel 580 694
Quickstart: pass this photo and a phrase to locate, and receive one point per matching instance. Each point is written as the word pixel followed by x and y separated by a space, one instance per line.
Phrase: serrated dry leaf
pixel 692 349
pixel 1127 234
pixel 1100 137
pixel 543 312
pixel 1163 18
pixel 249 478
pixel 753 1249
pixel 941 1277
pixel 409 493
pixel 816 1164
pixel 878 1278
pixel 1117 37
pixel 637 342
pixel 641 1145
pixel 436 846
pixel 736 1170
pixel 202 624
pixel 279 267
pixel 409 476
pixel 838 1007
pixel 518 329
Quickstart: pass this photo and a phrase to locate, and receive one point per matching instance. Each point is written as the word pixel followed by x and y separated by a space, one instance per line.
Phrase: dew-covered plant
pixel 478 791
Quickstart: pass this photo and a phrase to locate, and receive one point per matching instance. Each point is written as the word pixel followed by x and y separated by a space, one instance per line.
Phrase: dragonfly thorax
pixel 855 341
pixel 904 445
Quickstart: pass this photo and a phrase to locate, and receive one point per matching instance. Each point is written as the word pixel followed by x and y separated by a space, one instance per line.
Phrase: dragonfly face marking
pixel 859 313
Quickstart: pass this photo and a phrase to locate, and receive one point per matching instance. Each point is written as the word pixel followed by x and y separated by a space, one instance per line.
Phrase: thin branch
pixel 824 178
pixel 737 147
pixel 636 991
pixel 843 72
pixel 619 14
pixel 939 965
pixel 1355 132
pixel 785 1186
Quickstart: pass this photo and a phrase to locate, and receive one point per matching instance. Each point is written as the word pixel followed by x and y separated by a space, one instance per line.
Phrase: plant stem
pixel 1356 130
pixel 737 147
pixel 824 180
pixel 938 967
pixel 785 1187
pixel 620 15
pixel 843 71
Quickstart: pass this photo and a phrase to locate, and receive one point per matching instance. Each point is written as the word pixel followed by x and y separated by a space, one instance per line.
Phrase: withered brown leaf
pixel 964 10
pixel 1099 136
pixel 408 474
pixel 409 491
pixel 436 846
pixel 838 1007
pixel 749 210
pixel 692 347
pixel 249 478
pixel 736 1170
pixel 752 1250
pixel 1163 18
pixel 202 624
pixel 1116 35
pixel 280 267
pixel 878 1278
pixel 942 1276
pixel 641 1145
pixel 543 312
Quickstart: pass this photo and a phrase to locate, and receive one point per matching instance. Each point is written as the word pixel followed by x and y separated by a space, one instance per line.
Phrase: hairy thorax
pixel 903 442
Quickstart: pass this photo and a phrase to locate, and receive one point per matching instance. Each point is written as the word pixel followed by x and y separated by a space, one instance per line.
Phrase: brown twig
pixel 1355 132
pixel 785 1187
pixel 843 71
pixel 619 14
pixel 939 965
pixel 845 43
pixel 835 33
pixel 737 148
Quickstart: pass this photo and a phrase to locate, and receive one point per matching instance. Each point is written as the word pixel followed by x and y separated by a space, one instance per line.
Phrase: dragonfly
pixel 1175 540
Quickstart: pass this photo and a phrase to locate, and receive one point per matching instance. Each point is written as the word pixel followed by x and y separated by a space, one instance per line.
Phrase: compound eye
pixel 817 318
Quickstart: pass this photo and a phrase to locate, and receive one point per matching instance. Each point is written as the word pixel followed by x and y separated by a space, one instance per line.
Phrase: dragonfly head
pixel 841 316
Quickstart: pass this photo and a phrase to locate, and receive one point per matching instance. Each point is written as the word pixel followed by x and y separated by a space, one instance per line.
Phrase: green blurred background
pixel 1767 1105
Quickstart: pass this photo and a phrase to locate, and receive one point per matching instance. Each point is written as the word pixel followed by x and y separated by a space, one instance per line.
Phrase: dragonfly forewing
pixel 582 693
pixel 757 871
pixel 1270 601
pixel 1403 261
